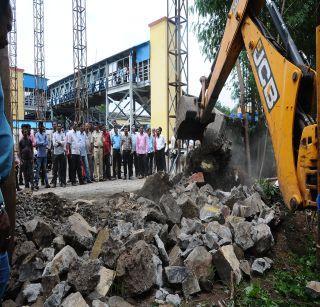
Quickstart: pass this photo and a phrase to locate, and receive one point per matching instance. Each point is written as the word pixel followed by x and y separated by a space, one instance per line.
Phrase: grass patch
pixel 283 287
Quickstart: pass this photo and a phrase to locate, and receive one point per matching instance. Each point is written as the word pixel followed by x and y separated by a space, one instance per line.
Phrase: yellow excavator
pixel 288 93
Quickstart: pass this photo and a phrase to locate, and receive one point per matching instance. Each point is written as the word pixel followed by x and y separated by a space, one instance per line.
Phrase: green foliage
pixel 254 295
pixel 271 192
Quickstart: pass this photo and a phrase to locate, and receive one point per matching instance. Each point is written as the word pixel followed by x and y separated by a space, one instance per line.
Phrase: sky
pixel 112 26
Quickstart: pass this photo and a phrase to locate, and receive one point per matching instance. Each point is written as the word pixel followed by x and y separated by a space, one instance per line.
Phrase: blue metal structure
pixel 111 76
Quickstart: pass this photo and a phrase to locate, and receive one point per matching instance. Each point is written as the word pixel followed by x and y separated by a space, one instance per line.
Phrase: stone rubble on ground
pixel 173 238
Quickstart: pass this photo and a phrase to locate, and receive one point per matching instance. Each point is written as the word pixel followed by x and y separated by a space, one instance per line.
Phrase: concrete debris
pixel 162 250
pixel 173 299
pixel 209 213
pixel 61 261
pixel 261 265
pixel 59 292
pixel 39 232
pixel 313 289
pixel 117 301
pixel 175 256
pixel 170 208
pixel 97 303
pixel 171 237
pixel 136 269
pixel 226 263
pixel 74 299
pixel 199 262
pixel 176 274
pixel 190 285
pixel 31 292
pixel 84 276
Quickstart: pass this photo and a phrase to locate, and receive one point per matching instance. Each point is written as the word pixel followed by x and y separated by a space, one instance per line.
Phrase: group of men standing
pixel 87 151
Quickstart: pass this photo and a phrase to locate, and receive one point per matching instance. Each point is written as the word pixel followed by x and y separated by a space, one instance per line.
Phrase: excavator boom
pixel 287 89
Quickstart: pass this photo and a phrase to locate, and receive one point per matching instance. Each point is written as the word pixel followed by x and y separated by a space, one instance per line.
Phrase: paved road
pixel 95 191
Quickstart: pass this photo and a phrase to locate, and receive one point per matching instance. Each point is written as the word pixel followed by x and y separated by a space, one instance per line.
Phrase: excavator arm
pixel 287 89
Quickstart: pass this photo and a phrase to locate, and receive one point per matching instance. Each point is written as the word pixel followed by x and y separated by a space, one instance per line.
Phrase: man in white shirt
pixel 58 143
pixel 74 150
pixel 160 151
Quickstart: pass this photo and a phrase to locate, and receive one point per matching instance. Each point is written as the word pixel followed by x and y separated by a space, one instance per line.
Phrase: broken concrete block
pixel 31 269
pixel 162 250
pixel 313 289
pixel 74 299
pixel 58 243
pixel 261 265
pixel 159 180
pixel 226 263
pixel 175 256
pixel 102 237
pixel 188 207
pixel 136 235
pixel 262 238
pixel 191 226
pixel 174 234
pixel 22 251
pixel 61 261
pixel 59 292
pixel 210 240
pixel 31 292
pixel 245 268
pixel 111 250
pixel 117 301
pixel 190 285
pixel 84 275
pixel 48 253
pixel 173 299
pixel 105 282
pixel 170 208
pixel 122 230
pixel 206 189
pixel 199 262
pixel 48 283
pixel 209 213
pixel 223 232
pixel 176 274
pixel 242 235
pixel 97 303
pixel 137 269
pixel 78 233
pixel 161 294
pixel 40 232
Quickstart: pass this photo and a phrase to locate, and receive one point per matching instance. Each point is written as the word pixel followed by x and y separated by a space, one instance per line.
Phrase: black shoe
pixel 82 183
pixel 124 178
pixel 27 186
pixel 48 186
pixel 89 181
pixel 32 188
pixel 18 189
pixel 36 187
pixel 54 185
pixel 74 184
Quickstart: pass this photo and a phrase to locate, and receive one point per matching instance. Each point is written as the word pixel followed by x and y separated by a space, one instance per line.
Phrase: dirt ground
pixel 95 192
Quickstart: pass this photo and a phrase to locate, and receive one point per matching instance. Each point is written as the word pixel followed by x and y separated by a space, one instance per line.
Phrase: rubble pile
pixel 171 240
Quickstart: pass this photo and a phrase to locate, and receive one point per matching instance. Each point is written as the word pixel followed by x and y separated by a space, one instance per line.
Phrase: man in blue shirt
pixel 116 153
pixel 150 155
pixel 41 145
pixel 6 156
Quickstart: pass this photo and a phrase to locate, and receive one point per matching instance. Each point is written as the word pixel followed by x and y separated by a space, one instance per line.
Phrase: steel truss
pixel 80 59
pixel 178 68
pixel 13 64
pixel 39 60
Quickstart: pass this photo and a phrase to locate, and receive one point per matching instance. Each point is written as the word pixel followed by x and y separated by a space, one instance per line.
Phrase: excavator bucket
pixel 188 125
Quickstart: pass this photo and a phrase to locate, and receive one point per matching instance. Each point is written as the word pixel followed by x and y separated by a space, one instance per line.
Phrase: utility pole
pixel 80 59
pixel 40 97
pixel 13 68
